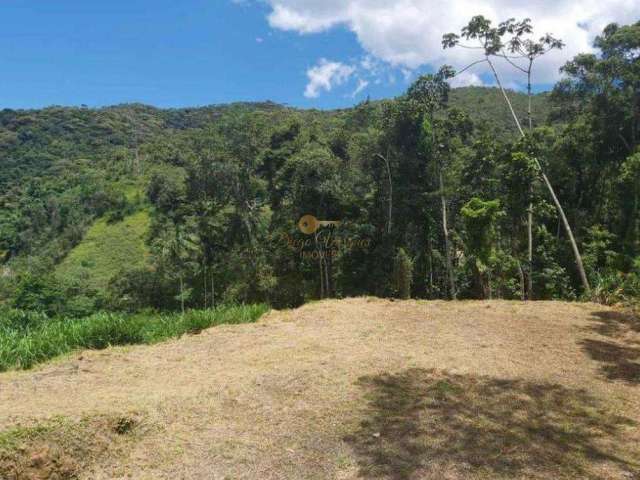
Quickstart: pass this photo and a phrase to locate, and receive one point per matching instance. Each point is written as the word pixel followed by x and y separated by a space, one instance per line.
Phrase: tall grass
pixel 24 346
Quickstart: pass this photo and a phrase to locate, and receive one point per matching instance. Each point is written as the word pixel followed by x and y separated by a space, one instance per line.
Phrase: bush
pixel 121 208
pixel 617 288
pixel 39 293
pixel 402 274
pixel 133 290
pixel 551 280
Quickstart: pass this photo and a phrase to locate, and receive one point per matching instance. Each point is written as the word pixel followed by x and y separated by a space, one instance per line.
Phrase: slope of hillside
pixel 358 388
pixel 487 108
pixel 106 249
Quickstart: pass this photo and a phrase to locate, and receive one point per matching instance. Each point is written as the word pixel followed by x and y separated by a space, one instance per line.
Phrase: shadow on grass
pixel 613 324
pixel 619 358
pixel 424 424
pixel 619 362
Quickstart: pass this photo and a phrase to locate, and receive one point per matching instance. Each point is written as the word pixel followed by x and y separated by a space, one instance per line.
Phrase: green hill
pixel 486 107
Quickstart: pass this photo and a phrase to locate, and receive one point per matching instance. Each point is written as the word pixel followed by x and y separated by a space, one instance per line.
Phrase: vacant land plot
pixel 358 388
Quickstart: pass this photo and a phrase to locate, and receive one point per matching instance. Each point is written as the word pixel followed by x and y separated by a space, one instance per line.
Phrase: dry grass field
pixel 357 388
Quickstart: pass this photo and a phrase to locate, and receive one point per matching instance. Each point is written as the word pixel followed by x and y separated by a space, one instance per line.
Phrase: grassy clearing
pixel 106 249
pixel 358 388
pixel 25 347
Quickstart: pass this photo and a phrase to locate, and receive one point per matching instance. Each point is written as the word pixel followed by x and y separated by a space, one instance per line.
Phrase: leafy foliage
pixel 134 207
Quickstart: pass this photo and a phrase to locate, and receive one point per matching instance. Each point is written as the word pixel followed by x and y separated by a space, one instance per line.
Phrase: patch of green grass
pixel 443 388
pixel 20 348
pixel 106 249
pixel 133 190
pixel 14 437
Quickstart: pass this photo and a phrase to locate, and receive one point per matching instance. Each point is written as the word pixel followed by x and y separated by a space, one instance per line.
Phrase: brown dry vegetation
pixel 358 388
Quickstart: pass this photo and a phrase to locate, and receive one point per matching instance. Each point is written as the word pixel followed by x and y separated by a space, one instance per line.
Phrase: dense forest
pixel 438 195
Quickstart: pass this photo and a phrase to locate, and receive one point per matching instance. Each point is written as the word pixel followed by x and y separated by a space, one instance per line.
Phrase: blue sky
pixel 305 53
pixel 160 52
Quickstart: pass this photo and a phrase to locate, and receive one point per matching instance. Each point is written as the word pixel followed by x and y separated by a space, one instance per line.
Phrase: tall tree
pixel 431 93
pixel 490 40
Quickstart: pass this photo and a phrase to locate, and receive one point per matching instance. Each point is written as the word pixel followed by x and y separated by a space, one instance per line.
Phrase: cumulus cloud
pixel 467 79
pixel 325 75
pixel 406 33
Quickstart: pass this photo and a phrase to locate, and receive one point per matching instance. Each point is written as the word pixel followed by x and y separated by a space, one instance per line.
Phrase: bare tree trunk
pixel 327 287
pixel 529 95
pixel 445 229
pixel 443 201
pixel 321 277
pixel 563 217
pixel 523 295
pixel 530 211
pixel 530 253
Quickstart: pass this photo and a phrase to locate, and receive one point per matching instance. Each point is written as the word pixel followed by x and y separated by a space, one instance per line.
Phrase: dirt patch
pixel 61 449
pixel 278 399
pixel 39 463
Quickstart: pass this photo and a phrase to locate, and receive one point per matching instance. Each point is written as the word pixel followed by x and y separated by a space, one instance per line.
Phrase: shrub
pixel 39 293
pixel 403 274
pixel 135 289
pixel 617 287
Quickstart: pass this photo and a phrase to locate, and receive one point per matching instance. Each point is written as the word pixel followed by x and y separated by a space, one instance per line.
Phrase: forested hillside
pixel 433 197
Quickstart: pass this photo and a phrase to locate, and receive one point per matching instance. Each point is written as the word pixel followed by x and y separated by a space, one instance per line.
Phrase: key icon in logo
pixel 309 224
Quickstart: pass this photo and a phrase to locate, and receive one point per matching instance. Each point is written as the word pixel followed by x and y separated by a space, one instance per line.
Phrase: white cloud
pixel 362 84
pixel 407 33
pixel 467 79
pixel 325 75
pixel 407 73
pixel 370 65
pixel 307 16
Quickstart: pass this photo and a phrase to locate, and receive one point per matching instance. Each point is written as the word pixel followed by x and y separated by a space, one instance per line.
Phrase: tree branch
pixel 515 65
pixel 469 66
